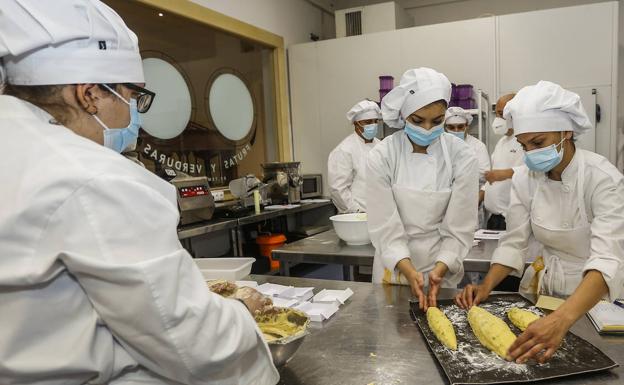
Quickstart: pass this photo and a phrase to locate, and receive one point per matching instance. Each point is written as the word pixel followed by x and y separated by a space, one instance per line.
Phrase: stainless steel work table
pixel 372 339
pixel 270 214
pixel 197 229
pixel 326 248
pixel 234 225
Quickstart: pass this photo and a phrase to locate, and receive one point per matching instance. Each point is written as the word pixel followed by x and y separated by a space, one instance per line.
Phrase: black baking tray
pixel 472 363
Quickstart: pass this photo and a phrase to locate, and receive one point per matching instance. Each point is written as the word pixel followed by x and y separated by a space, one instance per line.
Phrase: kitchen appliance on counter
pixel 243 189
pixel 284 181
pixel 311 186
pixel 195 201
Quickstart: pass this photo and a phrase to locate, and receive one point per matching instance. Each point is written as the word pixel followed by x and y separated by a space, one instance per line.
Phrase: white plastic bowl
pixel 230 269
pixel 352 228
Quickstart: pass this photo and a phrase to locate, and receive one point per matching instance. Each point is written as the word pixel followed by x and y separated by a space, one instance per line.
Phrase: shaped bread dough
pixel 492 332
pixel 442 328
pixel 521 318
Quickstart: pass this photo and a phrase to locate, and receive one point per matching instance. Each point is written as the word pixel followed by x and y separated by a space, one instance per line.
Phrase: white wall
pixel 441 11
pixel 294 20
pixel 328 77
pixel 375 18
pixel 403 19
pixel 577 52
pixel 574 46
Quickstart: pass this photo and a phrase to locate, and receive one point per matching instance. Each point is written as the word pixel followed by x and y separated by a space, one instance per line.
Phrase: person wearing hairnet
pixel 507 156
pixel 420 179
pixel 94 284
pixel 572 201
pixel 456 122
pixel 346 166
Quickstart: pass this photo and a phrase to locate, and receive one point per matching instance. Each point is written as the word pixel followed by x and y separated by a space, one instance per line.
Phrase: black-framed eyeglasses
pixel 145 98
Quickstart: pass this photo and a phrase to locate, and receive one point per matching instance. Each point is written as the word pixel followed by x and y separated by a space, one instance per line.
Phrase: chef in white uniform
pixel 572 201
pixel 457 122
pixel 420 179
pixel 346 166
pixel 94 284
pixel 507 156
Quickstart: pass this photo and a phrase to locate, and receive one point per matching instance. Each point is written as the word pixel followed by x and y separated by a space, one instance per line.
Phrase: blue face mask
pixel 423 137
pixel 544 159
pixel 460 134
pixel 369 131
pixel 121 139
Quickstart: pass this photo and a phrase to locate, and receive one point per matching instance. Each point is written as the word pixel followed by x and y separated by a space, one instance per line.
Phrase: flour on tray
pixel 471 356
pixel 473 363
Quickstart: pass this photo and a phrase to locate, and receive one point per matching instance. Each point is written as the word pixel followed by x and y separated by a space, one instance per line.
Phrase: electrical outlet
pixel 218 195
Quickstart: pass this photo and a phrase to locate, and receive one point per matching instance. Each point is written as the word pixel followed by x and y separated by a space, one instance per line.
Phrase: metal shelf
pixel 483 114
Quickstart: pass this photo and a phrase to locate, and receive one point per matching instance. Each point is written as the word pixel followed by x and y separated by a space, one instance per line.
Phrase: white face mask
pixel 499 126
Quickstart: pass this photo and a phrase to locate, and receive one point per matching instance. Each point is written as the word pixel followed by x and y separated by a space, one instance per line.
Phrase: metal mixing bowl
pixel 283 349
pixel 282 352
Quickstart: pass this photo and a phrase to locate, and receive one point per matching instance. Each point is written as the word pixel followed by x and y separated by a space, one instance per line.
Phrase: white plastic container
pixel 230 269
pixel 352 228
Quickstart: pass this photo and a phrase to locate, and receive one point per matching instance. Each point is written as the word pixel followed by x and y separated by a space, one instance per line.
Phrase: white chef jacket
pixel 346 171
pixel 421 208
pixel 581 228
pixel 507 154
pixel 483 156
pixel 94 284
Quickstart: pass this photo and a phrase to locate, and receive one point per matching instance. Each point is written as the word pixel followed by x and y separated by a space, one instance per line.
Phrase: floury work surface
pixel 372 339
pixel 472 363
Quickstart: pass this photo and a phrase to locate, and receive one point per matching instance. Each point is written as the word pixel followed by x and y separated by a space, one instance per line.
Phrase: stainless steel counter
pixel 327 248
pixel 206 227
pixel 197 229
pixel 234 225
pixel 269 214
pixel 373 340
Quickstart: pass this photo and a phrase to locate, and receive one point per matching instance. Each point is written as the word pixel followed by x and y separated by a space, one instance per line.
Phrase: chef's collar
pixel 570 173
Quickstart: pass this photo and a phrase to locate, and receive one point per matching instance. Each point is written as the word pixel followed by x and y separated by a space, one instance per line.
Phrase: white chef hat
pixel 67 42
pixel 363 110
pixel 546 107
pixel 418 87
pixel 457 115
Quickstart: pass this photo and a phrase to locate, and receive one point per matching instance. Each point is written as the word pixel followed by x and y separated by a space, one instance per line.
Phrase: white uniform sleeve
pixel 340 175
pixel 513 246
pixel 460 221
pixel 147 290
pixel 484 164
pixel 607 235
pixel 384 223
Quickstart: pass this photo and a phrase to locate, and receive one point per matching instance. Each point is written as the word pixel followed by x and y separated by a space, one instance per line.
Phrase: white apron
pixel 358 188
pixel 422 213
pixel 565 249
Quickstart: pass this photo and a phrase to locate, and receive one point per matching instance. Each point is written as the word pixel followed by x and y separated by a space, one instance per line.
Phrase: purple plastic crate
pixel 466 104
pixel 386 82
pixel 453 91
pixel 464 91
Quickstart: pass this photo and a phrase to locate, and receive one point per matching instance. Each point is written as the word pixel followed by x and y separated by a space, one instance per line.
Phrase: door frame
pixel 221 22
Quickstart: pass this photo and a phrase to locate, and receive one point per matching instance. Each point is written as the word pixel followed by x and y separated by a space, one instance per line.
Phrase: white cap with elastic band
pixel 457 115
pixel 418 88
pixel 366 109
pixel 546 107
pixel 67 42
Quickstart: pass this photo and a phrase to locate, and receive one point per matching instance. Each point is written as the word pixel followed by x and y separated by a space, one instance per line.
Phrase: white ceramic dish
pixel 352 228
pixel 229 269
